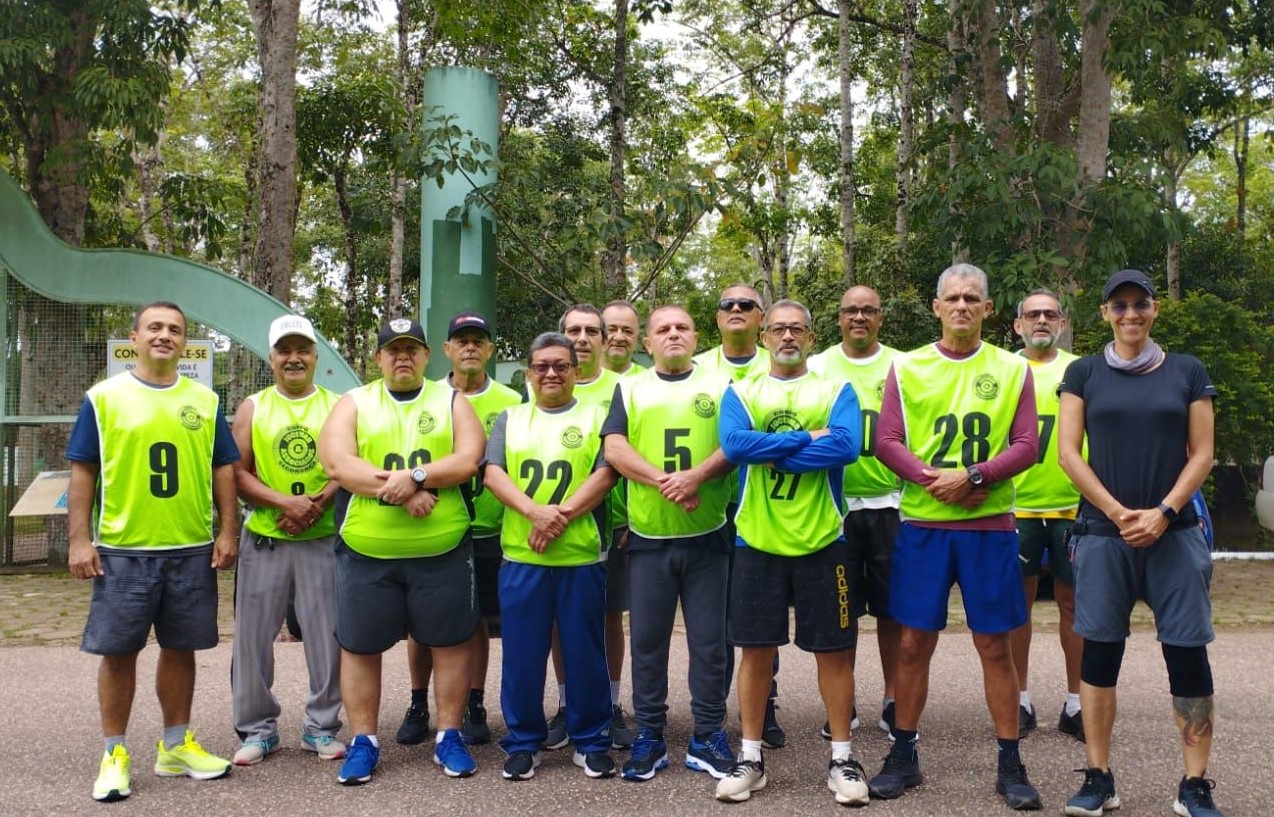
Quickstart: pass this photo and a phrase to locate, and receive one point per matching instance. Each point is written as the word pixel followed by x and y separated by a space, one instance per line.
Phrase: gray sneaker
pixel 557 737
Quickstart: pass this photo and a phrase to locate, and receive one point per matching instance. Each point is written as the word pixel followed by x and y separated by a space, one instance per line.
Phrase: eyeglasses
pixel 744 304
pixel 778 330
pixel 558 367
pixel 1046 314
pixel 1121 307
pixel 865 311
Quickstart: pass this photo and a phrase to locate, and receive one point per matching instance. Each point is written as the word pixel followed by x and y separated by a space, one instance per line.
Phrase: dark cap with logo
pixel 468 320
pixel 400 328
pixel 1128 276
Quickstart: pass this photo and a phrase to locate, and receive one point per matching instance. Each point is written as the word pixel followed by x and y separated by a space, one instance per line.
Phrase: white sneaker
pixel 325 746
pixel 747 776
pixel 253 752
pixel 847 780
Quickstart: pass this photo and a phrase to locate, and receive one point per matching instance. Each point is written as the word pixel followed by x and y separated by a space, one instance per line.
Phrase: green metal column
pixel 457 255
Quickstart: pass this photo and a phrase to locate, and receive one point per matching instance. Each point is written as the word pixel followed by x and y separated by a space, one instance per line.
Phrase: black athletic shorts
pixel 816 585
pixel 870 533
pixel 486 574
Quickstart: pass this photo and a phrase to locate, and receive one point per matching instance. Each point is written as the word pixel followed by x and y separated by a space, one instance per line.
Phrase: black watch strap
pixel 1167 512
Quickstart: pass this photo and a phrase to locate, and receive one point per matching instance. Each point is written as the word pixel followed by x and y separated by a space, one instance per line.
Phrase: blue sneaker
pixel 1095 796
pixel 453 756
pixel 1194 798
pixel 711 754
pixel 650 754
pixel 360 761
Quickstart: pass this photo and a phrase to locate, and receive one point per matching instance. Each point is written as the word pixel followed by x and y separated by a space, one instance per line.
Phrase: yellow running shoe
pixel 190 759
pixel 112 776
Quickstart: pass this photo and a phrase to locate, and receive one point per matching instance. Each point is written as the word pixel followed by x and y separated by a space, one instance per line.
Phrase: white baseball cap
pixel 291 325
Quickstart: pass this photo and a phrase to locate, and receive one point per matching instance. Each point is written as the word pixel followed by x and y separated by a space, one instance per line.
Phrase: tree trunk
pixel 1172 255
pixel 340 182
pixel 906 125
pixel 991 86
pixel 1052 120
pixel 1242 135
pixel 614 256
pixel 956 104
pixel 277 23
pixel 1094 136
pixel 397 180
pixel 847 185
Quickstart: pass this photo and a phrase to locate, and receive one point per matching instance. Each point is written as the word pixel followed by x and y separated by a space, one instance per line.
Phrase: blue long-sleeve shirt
pixel 792 451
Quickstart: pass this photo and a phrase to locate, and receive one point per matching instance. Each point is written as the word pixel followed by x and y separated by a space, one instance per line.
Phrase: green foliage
pixel 1238 351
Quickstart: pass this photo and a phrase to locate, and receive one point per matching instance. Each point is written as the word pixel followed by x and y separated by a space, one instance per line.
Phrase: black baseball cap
pixel 400 328
pixel 468 320
pixel 1128 276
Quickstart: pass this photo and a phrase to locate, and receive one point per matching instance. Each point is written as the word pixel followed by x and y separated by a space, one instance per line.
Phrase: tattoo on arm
pixel 1195 718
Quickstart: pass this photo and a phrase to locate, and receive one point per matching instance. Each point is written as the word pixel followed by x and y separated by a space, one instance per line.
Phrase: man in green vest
pixel 404 450
pixel 1046 505
pixel 661 433
pixel 545 463
pixel 151 454
pixel 957 423
pixel 791 432
pixel 286 551
pixel 872 492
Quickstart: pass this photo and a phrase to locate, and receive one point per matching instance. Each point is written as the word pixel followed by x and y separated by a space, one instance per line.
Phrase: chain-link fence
pixel 54 352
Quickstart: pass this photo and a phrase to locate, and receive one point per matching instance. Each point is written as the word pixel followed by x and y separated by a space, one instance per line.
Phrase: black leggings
pixel 1189 672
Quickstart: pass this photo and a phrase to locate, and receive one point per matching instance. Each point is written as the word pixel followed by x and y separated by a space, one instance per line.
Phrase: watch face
pixel 418 474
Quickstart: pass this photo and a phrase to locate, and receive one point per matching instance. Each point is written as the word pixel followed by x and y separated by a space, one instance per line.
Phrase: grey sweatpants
pixel 271 573
pixel 657 579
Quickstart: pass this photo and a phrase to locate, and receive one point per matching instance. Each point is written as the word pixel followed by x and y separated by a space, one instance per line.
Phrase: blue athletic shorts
pixel 928 561
pixel 174 591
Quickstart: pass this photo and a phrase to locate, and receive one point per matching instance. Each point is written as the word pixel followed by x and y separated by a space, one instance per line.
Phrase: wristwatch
pixel 418 476
pixel 976 479
pixel 1168 512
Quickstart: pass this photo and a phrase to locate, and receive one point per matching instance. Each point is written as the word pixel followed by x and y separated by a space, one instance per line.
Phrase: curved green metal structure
pixel 56 270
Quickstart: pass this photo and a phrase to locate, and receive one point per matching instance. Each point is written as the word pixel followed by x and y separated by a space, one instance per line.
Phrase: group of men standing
pixel 737 485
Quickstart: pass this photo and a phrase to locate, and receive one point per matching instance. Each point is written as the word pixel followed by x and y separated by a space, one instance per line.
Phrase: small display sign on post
pixel 196 361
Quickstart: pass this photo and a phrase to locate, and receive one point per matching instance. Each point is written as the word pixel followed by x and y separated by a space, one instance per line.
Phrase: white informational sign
pixel 196 361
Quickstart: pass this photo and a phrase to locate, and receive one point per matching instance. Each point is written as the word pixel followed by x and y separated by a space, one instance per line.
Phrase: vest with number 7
pixel 958 413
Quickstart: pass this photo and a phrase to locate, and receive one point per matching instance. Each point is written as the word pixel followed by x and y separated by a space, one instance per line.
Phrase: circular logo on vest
pixel 783 420
pixel 489 421
pixel 704 405
pixel 297 449
pixel 880 389
pixel 986 386
pixel 190 418
pixel 572 437
pixel 426 423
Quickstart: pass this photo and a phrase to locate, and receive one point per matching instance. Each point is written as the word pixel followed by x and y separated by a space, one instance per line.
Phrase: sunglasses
pixel 744 304
pixel 1046 314
pixel 1121 308
pixel 778 330
pixel 558 367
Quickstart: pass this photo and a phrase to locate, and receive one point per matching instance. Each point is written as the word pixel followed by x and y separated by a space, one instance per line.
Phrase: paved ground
pixel 49 689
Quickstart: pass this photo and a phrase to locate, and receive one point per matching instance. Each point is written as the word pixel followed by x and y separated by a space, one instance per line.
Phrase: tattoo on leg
pixel 1196 718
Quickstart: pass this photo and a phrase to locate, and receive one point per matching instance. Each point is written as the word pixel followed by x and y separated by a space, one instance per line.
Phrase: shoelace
pixel 644 747
pixel 1093 779
pixel 743 768
pixel 848 769
pixel 1201 789
pixel 718 745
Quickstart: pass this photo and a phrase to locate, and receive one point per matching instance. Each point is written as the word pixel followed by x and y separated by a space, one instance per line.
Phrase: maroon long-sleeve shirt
pixel 1023 448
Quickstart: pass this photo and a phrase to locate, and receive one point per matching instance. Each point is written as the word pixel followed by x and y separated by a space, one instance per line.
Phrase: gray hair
pixel 1042 291
pixel 789 303
pixel 587 309
pixel 964 271
pixel 548 340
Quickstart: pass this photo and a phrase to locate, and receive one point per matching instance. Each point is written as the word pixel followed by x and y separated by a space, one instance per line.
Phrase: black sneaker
pixel 826 732
pixel 1072 725
pixel 473 726
pixel 415 726
pixel 896 776
pixel 595 764
pixel 1096 795
pixel 557 737
pixel 1026 720
pixel 520 765
pixel 886 722
pixel 772 734
pixel 1011 782
pixel 621 734
pixel 1194 798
